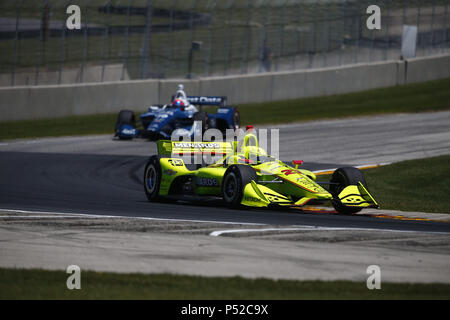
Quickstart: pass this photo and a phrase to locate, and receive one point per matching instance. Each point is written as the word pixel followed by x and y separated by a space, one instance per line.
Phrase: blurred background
pixel 164 39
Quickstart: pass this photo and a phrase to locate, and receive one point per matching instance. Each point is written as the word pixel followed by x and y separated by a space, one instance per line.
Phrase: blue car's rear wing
pixel 206 100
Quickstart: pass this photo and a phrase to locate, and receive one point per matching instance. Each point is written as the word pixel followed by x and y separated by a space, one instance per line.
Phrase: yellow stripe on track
pixel 361 167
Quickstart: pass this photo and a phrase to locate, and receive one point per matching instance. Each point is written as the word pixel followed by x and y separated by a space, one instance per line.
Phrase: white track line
pixel 47 214
pixel 83 215
pixel 44 217
pixel 221 232
pixel 316 228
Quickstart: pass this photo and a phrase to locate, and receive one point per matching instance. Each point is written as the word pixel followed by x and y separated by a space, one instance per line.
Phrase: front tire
pixel 124 117
pixel 342 178
pixel 234 181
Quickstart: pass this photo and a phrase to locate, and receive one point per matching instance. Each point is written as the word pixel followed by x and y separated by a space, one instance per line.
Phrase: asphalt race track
pixel 45 184
pixel 112 185
pixel 100 175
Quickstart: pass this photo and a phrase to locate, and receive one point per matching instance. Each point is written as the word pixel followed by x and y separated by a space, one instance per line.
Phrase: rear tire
pixel 234 181
pixel 152 178
pixel 204 118
pixel 342 178
pixel 236 119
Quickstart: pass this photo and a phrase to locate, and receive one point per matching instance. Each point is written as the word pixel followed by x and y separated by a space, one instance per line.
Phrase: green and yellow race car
pixel 243 174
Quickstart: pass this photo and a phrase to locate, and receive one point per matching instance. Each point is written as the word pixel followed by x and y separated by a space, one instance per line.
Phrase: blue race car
pixel 181 115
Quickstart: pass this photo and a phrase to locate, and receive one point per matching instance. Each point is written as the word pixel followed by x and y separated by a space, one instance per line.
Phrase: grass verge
pixel 67 126
pixel 421 97
pixel 421 185
pixel 42 284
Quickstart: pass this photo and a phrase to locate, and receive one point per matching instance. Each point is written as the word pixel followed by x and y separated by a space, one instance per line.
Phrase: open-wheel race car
pixel 243 174
pixel 181 117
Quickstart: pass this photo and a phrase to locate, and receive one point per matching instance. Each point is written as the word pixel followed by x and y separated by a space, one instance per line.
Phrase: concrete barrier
pixel 18 103
pixel 289 85
pixel 167 88
pixel 354 78
pixel 239 89
pixel 429 68
pixel 31 102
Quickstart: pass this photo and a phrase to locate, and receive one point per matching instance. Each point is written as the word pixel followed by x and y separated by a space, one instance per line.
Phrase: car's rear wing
pixel 206 100
pixel 179 148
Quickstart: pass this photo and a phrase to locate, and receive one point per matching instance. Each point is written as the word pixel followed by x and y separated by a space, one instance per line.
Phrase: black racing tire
pixel 234 181
pixel 236 119
pixel 152 178
pixel 342 178
pixel 167 129
pixel 124 117
pixel 204 118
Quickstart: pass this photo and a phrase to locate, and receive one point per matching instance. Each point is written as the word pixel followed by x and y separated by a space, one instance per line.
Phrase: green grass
pixel 421 185
pixel 41 284
pixel 74 125
pixel 421 97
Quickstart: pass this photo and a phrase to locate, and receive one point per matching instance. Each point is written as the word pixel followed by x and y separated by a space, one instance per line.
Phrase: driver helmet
pixel 179 103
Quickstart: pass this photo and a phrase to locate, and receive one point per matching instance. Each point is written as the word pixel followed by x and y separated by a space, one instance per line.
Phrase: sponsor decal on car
pixel 288 172
pixel 205 100
pixel 170 172
pixel 200 145
pixel 128 131
pixel 206 182
pixel 252 199
pixel 176 162
pixel 223 110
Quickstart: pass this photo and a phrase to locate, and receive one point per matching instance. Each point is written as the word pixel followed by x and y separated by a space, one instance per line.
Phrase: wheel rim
pixel 150 179
pixel 230 187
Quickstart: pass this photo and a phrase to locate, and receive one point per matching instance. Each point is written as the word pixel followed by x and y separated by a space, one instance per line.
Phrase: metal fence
pixel 141 39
